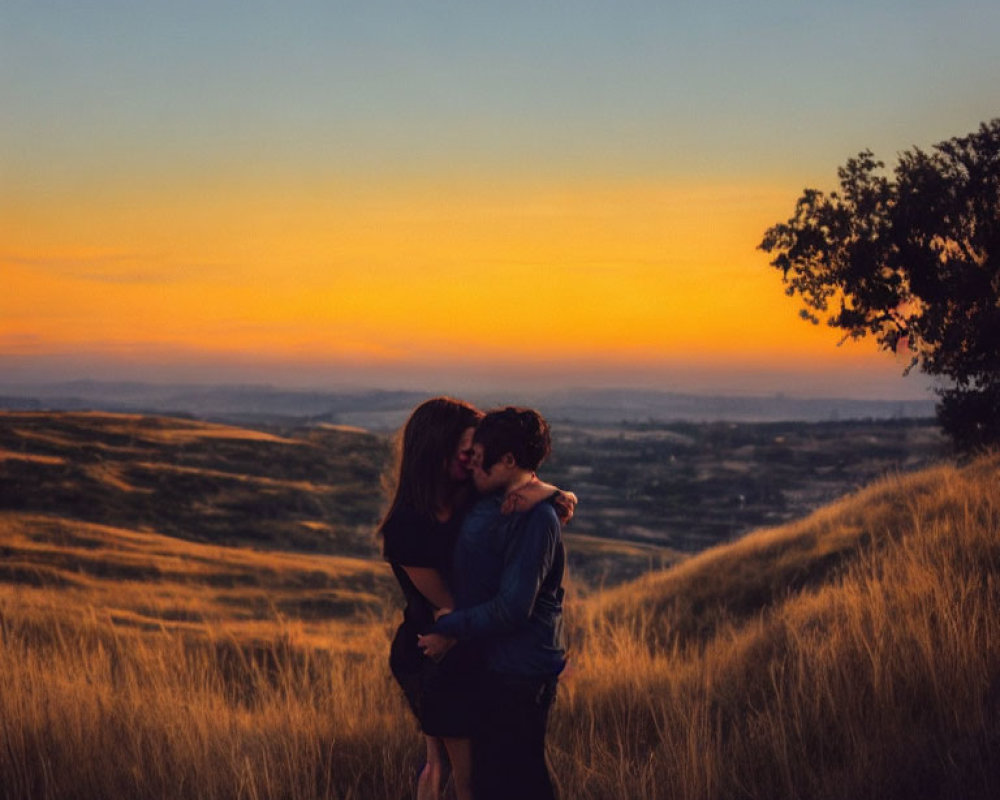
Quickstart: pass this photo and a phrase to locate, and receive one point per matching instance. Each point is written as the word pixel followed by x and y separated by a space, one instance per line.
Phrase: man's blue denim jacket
pixel 507 576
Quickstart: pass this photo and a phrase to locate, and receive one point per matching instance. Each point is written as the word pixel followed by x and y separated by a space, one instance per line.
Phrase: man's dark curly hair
pixel 522 432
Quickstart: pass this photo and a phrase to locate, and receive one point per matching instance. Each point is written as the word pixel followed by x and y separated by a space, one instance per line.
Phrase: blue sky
pixel 377 149
pixel 606 87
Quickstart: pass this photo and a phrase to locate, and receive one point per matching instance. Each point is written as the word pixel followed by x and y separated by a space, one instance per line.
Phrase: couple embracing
pixel 473 537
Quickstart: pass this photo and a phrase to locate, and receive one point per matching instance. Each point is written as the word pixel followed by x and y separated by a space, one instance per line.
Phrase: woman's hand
pixel 435 645
pixel 531 494
pixel 438 613
pixel 564 504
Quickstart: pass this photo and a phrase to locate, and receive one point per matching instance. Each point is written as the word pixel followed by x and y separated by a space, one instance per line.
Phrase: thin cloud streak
pixel 118 268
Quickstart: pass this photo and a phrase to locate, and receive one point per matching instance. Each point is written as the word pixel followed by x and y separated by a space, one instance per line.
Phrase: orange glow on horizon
pixel 605 273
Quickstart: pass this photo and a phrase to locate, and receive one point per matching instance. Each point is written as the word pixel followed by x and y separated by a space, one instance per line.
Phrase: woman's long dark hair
pixel 427 442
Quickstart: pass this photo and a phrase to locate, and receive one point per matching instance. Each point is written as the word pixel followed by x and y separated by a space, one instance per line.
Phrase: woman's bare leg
pixel 429 782
pixel 460 756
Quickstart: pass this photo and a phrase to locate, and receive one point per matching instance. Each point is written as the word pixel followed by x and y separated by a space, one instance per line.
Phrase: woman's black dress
pixel 439 693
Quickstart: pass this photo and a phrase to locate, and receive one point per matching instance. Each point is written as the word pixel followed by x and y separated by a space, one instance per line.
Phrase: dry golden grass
pixel 874 674
pixel 138 665
pixel 92 711
pixel 855 654
pixel 152 582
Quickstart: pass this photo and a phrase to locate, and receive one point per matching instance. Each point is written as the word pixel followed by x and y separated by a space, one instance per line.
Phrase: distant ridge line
pixel 382 409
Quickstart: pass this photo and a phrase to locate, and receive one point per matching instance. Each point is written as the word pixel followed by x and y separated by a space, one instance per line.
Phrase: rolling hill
pixel 314 490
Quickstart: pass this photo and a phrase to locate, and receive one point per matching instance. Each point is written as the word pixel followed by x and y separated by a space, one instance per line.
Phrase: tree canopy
pixel 912 259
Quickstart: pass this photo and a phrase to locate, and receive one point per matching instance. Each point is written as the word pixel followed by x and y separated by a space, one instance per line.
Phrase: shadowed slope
pixel 315 489
pixel 854 654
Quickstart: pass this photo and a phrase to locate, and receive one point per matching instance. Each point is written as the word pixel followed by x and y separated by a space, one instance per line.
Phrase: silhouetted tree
pixel 913 260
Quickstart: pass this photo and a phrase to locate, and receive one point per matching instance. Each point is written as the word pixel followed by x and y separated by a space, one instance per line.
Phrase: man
pixel 508 572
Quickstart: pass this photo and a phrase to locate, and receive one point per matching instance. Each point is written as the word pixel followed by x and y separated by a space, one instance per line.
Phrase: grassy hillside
pixel 139 665
pixel 312 489
pixel 150 582
pixel 853 654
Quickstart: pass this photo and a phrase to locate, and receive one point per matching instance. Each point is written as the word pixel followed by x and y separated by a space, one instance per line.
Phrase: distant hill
pixel 617 405
pixel 387 410
pixel 229 403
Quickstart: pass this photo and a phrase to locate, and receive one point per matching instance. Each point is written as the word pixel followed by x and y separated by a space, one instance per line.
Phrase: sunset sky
pixel 447 194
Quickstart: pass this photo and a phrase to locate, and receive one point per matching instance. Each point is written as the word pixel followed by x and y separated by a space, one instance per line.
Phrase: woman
pixel 431 495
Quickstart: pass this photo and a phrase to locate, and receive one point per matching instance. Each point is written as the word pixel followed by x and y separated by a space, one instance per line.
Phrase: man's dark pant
pixel 508 750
